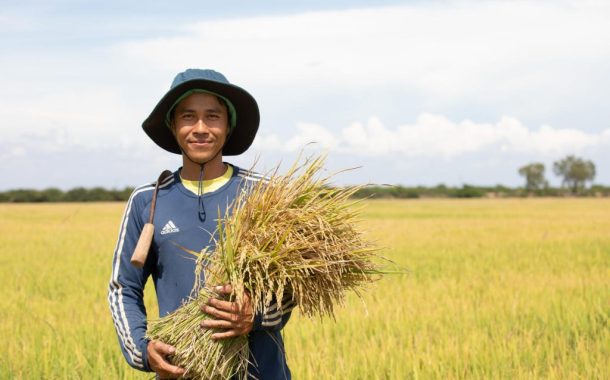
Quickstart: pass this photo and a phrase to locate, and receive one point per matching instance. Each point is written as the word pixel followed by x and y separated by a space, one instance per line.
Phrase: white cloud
pixel 311 133
pixel 449 60
pixel 435 135
pixel 75 113
pixel 484 50
pixel 523 54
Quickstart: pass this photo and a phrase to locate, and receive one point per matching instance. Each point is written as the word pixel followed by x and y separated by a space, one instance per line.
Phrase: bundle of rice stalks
pixel 293 238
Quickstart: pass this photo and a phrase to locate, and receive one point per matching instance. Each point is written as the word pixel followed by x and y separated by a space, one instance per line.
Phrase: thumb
pixel 164 349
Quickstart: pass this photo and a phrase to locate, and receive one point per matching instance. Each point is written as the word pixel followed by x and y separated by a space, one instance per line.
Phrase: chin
pixel 202 156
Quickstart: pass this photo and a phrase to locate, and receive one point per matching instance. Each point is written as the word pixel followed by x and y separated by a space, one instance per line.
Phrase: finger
pixel 164 368
pixel 170 371
pixel 219 314
pixel 217 324
pixel 223 289
pixel 246 298
pixel 163 349
pixel 231 307
pixel 226 334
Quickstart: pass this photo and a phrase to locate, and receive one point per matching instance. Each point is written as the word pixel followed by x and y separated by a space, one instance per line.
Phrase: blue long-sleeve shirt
pixel 178 226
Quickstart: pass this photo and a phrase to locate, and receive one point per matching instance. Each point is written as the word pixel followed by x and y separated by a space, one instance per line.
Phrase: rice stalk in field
pixel 292 238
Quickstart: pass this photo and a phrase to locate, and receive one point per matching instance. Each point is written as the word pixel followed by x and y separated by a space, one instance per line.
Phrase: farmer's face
pixel 200 124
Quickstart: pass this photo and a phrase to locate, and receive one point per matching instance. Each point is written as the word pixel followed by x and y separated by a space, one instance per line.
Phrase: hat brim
pixel 246 108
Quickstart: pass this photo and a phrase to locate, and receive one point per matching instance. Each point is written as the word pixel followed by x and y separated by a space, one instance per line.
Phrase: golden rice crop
pixel 292 237
pixel 498 289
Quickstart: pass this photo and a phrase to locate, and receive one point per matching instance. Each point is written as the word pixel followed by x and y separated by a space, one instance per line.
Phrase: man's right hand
pixel 157 354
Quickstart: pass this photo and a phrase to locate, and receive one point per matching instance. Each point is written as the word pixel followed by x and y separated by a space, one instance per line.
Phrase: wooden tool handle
pixel 138 258
pixel 141 252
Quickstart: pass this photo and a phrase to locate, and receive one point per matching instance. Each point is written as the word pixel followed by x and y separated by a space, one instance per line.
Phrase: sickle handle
pixel 141 252
pixel 138 258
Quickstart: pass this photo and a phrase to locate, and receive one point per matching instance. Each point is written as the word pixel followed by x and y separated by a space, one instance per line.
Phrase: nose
pixel 200 127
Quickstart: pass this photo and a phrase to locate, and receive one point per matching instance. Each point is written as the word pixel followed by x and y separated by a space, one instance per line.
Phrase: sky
pixel 404 92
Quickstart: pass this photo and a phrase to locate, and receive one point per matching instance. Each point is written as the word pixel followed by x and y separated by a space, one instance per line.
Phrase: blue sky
pixel 412 92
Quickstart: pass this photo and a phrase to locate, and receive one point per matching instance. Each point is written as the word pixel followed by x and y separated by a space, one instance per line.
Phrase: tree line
pixel 99 194
pixel 78 194
pixel 575 173
pixel 473 191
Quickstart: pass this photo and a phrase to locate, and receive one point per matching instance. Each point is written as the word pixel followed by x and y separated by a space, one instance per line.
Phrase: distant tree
pixel 534 176
pixel 77 194
pixel 24 195
pixel 575 172
pixel 600 190
pixel 124 194
pixel 403 192
pixel 98 194
pixel 52 194
pixel 469 191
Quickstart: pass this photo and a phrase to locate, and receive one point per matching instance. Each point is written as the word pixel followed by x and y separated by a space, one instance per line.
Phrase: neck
pixel 212 169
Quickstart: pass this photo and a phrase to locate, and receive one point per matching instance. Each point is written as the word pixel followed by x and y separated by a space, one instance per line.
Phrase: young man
pixel 202 117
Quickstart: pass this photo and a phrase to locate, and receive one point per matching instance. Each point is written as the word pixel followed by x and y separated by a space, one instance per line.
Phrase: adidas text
pixel 169 228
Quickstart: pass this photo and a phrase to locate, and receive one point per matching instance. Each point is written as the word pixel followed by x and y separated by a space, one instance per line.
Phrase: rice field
pixel 496 289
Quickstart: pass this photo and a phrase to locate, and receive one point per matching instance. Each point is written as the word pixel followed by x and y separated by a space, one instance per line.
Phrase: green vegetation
pixel 576 172
pixel 534 176
pixel 471 191
pixel 78 194
pixel 497 289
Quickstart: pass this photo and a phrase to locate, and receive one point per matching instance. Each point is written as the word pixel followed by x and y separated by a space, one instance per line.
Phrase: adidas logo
pixel 169 228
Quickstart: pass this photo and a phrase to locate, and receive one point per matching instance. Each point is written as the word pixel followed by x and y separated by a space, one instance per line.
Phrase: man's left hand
pixel 234 317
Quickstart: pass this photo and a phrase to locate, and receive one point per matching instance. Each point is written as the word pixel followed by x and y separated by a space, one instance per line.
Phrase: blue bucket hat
pixel 243 111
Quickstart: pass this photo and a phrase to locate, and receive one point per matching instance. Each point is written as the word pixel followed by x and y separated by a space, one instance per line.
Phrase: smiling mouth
pixel 200 142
